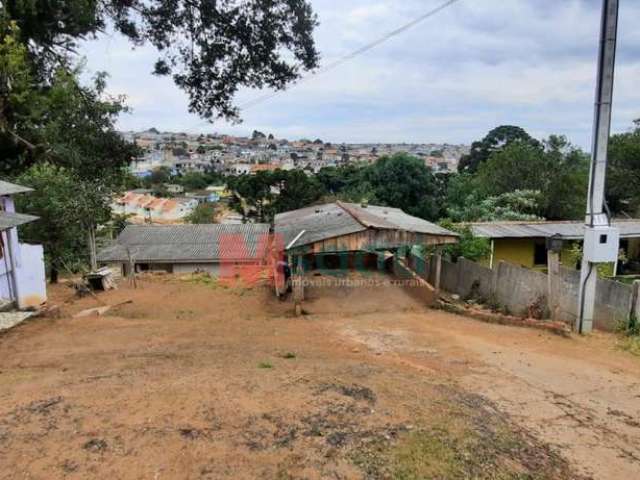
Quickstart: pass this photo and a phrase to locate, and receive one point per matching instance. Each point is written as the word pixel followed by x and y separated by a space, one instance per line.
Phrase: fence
pixel 519 290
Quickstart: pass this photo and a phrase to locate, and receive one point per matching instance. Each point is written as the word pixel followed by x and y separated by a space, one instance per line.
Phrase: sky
pixel 450 79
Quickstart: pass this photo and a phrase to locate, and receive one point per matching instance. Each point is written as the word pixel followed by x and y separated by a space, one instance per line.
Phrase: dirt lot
pixel 193 380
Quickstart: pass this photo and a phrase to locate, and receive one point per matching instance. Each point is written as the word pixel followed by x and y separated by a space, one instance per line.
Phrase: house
pixel 525 243
pixel 144 207
pixel 344 234
pixel 211 248
pixel 22 272
pixel 174 188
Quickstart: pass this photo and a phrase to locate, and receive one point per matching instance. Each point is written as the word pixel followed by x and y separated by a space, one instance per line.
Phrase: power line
pixel 354 54
pixel 347 57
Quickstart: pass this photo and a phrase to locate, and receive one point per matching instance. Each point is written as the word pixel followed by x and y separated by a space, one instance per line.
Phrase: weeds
pixel 630 335
pixel 289 355
pixel 265 365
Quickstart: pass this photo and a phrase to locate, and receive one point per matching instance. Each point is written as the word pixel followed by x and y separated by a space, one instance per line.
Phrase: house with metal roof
pixel 188 248
pixel 344 235
pixel 525 243
pixel 22 271
pixel 349 227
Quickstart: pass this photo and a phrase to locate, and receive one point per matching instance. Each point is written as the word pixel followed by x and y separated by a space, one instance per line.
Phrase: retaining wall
pixel 519 289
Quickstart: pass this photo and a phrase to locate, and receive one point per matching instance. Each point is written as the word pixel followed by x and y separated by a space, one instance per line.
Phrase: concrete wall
pixel 517 289
pixel 210 268
pixel 31 285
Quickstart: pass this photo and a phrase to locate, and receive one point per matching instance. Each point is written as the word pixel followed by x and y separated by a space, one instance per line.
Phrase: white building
pixel 22 272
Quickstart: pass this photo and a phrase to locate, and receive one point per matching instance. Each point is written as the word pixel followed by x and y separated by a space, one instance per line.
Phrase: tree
pixel 468 246
pixel 253 193
pixel 61 122
pixel 69 209
pixel 193 181
pixel 159 176
pixel 203 213
pixel 257 135
pixel 211 49
pixel 554 168
pixel 296 190
pixel 496 140
pixel 623 175
pixel 404 182
pixel 520 205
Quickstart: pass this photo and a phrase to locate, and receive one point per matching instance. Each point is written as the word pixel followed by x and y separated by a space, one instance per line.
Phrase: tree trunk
pixel 91 240
pixel 53 275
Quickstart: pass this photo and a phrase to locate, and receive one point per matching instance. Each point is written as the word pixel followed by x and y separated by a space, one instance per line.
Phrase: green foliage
pixel 469 247
pixel 265 365
pixel 257 193
pixel 203 213
pixel 404 182
pixel 555 169
pixel 605 270
pixel 467 205
pixel 210 49
pixel 623 175
pixel 297 190
pixel 158 176
pixel 61 122
pixel 193 181
pixel 495 141
pixel 66 205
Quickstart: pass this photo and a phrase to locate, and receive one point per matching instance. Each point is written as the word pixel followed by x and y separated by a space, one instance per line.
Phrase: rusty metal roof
pixel 333 220
pixel 570 230
pixel 189 243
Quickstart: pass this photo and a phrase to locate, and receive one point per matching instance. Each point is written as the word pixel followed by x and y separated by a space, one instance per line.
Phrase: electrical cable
pixel 345 58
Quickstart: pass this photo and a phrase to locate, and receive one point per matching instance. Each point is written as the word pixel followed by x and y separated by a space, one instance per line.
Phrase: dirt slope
pixel 193 381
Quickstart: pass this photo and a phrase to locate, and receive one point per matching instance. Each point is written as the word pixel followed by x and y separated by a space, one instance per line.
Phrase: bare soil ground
pixel 192 380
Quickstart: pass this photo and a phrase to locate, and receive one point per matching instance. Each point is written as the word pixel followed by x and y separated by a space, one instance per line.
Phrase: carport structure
pixel 351 236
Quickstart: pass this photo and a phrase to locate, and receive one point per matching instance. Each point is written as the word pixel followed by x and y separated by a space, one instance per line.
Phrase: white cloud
pixel 451 78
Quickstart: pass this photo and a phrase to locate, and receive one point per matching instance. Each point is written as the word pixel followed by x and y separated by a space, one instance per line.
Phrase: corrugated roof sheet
pixel 332 220
pixel 10 220
pixel 567 230
pixel 7 188
pixel 188 243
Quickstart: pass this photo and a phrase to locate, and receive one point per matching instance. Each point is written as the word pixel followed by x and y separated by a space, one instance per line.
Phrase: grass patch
pixel 630 336
pixel 631 344
pixel 265 365
pixel 470 440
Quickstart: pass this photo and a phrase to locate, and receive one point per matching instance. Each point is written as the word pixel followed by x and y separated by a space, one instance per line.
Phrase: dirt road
pixel 198 381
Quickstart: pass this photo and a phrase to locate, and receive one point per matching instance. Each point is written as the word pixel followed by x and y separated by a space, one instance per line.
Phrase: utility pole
pixel 601 241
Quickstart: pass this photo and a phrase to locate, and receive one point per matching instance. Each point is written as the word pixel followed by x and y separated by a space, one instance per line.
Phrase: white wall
pixel 32 287
pixel 183 268
pixel 31 276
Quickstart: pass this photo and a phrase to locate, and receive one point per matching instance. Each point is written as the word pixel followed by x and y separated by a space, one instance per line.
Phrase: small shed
pixel 343 229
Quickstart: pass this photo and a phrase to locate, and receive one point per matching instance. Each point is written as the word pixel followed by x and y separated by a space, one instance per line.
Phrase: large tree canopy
pixel 494 141
pixel 623 176
pixel 211 48
pixel 554 168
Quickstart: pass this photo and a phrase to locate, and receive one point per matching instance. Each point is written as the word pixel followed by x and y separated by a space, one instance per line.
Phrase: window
pixel 540 253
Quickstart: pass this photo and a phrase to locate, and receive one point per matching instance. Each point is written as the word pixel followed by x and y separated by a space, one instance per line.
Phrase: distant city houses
pixel 181 153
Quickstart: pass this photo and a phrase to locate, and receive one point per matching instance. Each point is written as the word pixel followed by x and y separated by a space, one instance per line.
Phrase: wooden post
pixel 436 282
pixel 91 242
pixel 553 276
pixel 634 309
pixel 298 286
